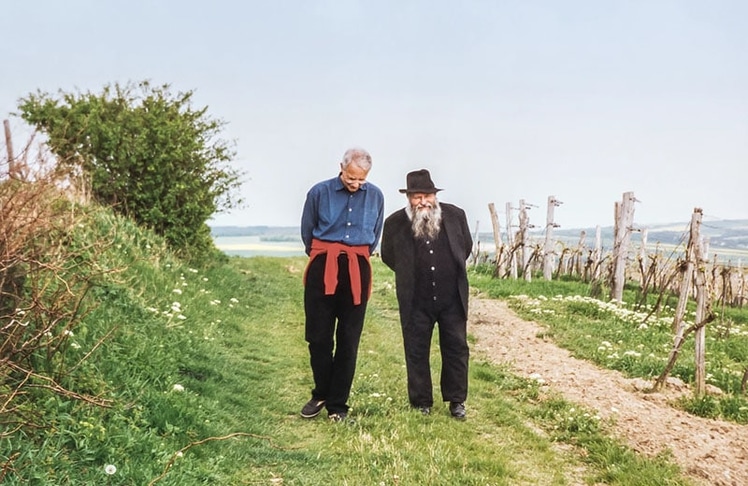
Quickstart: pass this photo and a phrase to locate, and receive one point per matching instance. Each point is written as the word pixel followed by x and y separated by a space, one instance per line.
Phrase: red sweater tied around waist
pixel 333 249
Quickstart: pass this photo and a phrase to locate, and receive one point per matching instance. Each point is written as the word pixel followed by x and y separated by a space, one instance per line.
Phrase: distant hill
pixel 269 231
pixel 727 234
pixel 731 234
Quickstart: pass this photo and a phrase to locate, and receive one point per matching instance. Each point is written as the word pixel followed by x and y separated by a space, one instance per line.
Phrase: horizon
pixel 670 226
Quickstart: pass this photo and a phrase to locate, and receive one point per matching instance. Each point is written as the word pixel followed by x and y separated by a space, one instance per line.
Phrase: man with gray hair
pixel 427 244
pixel 340 227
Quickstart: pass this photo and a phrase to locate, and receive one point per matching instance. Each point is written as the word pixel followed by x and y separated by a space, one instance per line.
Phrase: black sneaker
pixel 338 416
pixel 312 408
pixel 424 410
pixel 457 409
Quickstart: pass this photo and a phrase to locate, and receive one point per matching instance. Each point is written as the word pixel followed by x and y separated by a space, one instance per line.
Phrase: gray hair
pixel 358 156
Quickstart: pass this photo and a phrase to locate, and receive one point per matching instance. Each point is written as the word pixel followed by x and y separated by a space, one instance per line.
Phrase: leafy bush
pixel 146 153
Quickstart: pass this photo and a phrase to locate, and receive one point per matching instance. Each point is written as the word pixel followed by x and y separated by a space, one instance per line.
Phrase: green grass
pixel 212 362
pixel 633 340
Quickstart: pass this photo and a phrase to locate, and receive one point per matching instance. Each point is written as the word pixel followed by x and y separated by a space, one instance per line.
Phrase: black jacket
pixel 398 253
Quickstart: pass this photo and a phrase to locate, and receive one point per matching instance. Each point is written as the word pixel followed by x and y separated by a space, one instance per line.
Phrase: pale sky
pixel 501 100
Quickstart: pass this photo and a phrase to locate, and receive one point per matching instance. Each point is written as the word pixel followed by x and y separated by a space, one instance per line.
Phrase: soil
pixel 710 452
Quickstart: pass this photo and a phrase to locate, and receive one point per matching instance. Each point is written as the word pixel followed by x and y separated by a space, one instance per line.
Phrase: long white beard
pixel 425 223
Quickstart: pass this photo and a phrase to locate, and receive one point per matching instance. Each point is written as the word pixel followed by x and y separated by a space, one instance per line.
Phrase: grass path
pixel 385 442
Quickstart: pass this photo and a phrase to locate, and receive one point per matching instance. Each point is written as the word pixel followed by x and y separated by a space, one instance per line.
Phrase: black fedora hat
pixel 419 181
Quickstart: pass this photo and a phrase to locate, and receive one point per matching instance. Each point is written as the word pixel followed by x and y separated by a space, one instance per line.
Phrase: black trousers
pixel 417 334
pixel 333 330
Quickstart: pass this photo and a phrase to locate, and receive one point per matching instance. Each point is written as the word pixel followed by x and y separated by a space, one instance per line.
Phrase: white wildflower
pixel 538 379
pixel 177 387
pixel 110 469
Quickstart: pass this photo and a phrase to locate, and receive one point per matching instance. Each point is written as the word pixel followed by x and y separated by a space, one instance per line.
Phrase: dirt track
pixel 711 452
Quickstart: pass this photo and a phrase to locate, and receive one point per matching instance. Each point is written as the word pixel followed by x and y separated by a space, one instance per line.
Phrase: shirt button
pixel 435 297
pixel 433 268
pixel 431 251
pixel 348 223
pixel 347 236
pixel 428 242
pixel 433 284
pixel 350 209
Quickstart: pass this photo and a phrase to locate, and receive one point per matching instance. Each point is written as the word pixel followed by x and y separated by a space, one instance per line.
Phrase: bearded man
pixel 427 244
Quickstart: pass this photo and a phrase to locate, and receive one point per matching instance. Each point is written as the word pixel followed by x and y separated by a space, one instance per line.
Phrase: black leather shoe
pixel 338 416
pixel 312 408
pixel 457 409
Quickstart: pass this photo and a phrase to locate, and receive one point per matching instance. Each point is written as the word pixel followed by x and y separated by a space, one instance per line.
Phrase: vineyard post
pixel 581 251
pixel 740 285
pixel 548 247
pixel 524 252
pixel 476 244
pixel 510 241
pixel 497 239
pixel 597 255
pixel 679 326
pixel 715 276
pixel 624 220
pixel 702 303
pixel 643 259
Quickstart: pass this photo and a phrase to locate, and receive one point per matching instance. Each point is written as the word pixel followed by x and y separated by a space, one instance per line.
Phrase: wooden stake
pixel 9 145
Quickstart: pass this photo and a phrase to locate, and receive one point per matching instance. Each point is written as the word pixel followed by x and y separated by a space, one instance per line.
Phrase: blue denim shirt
pixel 331 213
